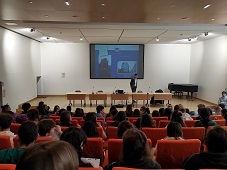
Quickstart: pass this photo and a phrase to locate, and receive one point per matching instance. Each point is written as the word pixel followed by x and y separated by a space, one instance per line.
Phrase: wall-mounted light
pixel 206 33
pixel 189 39
pixel 32 30
pixel 157 39
pixel 67 2
pixel 81 38
pixel 48 37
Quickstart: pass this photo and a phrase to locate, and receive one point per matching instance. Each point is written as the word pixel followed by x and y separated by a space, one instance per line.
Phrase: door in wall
pixel 1 96
pixel 38 82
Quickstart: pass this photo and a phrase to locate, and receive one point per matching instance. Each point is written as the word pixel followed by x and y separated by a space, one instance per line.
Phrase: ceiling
pixel 116 21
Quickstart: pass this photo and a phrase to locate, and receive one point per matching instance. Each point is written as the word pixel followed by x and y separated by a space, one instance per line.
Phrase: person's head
pixel 170 106
pixel 155 113
pixel 216 140
pixel 135 146
pixel 147 110
pixel 161 111
pixel 56 108
pixel 167 113
pixel 217 110
pixel 136 113
pixel 100 109
pixel 27 133
pixel 5 108
pixel 33 115
pixel 69 108
pixel 146 121
pixel 122 127
pixel 61 110
pixel 79 112
pixel 182 110
pixel 135 76
pixel 204 113
pixel 120 116
pixel 90 129
pixel 76 137
pixel 200 106
pixel 46 127
pixel 65 117
pixel 91 116
pixel 176 107
pixel 5 121
pixel 187 110
pixel 129 108
pixel 114 113
pixel 113 107
pixel 54 155
pixel 174 129
pixel 142 109
pixel 223 93
pixel 26 106
pixel 177 117
pixel 180 106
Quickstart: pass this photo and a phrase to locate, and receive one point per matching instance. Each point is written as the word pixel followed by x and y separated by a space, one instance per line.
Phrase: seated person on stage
pixel 121 116
pixel 223 99
pixel 51 155
pixel 122 127
pixel 77 138
pixel 135 152
pixel 91 116
pixel 129 112
pixel 216 157
pixel 205 120
pixel 27 134
pixel 5 122
pixel 48 128
pixel 100 111
pixel 90 129
pixel 33 115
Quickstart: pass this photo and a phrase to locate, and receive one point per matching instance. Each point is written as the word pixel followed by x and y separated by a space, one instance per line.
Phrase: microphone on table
pixel 148 90
pixel 114 89
pixel 92 90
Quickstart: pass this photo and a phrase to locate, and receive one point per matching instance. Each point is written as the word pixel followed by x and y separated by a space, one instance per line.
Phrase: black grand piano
pixel 180 88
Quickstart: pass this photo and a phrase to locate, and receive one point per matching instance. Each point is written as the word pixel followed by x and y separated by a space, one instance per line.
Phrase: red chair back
pixel 131 119
pixel 157 119
pixel 112 132
pixel 14 127
pixel 216 117
pixel 163 123
pixel 54 117
pixel 194 133
pixel 190 123
pixel 171 153
pixel 7 166
pixel 221 122
pixel 78 119
pixel 15 141
pixel 5 142
pixel 43 139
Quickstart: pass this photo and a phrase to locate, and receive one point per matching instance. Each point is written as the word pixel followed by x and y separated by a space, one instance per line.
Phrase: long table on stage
pixel 113 96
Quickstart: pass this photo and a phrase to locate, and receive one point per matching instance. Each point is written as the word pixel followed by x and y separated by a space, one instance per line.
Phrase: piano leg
pixel 191 96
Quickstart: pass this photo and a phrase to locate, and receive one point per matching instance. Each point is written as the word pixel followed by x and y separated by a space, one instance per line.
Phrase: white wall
pixel 19 66
pixel 163 64
pixel 208 68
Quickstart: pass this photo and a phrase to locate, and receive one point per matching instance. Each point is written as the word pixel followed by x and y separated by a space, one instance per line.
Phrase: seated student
pixel 147 110
pixel 100 111
pixel 185 115
pixel 48 128
pixel 111 115
pixel 155 113
pixel 77 138
pixel 176 107
pixel 7 109
pixel 129 112
pixel 142 109
pixel 217 110
pixel 55 111
pixel 121 116
pixel 174 131
pixel 33 115
pixel 91 116
pixel 51 155
pixel 216 157
pixel 5 122
pixel 90 129
pixel 135 152
pixel 136 113
pixel 146 121
pixel 170 106
pixel 122 127
pixel 65 119
pixel 167 113
pixel 27 134
pixel 23 117
pixel 79 113
pixel 177 117
pixel 161 111
pixel 205 120
pixel 223 99
pixel 69 109
pixel 25 108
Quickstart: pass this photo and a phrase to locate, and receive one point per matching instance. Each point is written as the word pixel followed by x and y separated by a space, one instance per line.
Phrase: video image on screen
pixel 109 61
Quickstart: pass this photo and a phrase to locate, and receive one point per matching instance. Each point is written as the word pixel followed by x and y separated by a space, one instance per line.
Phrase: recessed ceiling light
pixel 30 2
pixel 206 6
pixel 46 16
pixel 67 2
pixel 158 18
pixel 81 38
pixel 10 23
pixel 157 39
pixel 212 19
pixel 103 4
pixel 103 17
pixel 172 6
pixel 185 18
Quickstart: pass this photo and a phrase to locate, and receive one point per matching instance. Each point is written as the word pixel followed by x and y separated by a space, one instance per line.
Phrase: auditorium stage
pixel 62 101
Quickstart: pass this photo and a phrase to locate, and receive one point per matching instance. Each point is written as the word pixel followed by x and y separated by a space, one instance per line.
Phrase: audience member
pixel 27 134
pixel 41 108
pixel 48 128
pixel 177 117
pixel 122 127
pixel 100 111
pixel 65 119
pixel 167 113
pixel 136 113
pixel 69 109
pixel 174 131
pixel 216 157
pixel 52 155
pixel 25 108
pixel 112 114
pixel 147 110
pixel 205 120
pixel 135 152
pixel 146 121
pixel 142 109
pixel 185 115
pixel 121 116
pixel 217 110
pixel 176 107
pixel 5 122
pixel 200 106
pixel 90 129
pixel 129 112
pixel 55 111
pixel 33 115
pixel 170 106
pixel 223 99
pixel 77 138
pixel 161 111
pixel 79 113
pixel 155 113
pixel 7 109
